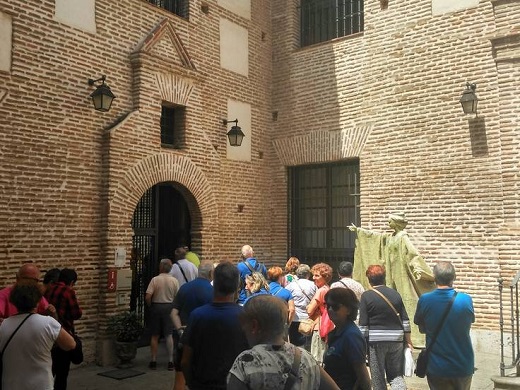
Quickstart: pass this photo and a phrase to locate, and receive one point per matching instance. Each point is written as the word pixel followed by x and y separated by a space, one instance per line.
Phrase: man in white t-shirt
pixel 183 270
pixel 345 273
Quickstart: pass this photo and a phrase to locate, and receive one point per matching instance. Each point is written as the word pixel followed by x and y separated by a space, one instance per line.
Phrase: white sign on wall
pixel 120 256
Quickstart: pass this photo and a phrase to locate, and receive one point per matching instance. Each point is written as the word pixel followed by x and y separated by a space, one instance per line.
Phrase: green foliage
pixel 125 326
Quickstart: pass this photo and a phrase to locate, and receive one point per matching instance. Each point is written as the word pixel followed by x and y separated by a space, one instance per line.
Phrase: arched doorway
pixel 161 222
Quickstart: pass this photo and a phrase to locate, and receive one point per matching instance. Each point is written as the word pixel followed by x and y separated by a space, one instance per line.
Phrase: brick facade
pixel 72 177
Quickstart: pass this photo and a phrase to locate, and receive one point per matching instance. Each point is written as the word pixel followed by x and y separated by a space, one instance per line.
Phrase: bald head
pixel 28 271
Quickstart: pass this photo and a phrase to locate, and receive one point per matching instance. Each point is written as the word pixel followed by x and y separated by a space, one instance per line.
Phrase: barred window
pixel 322 20
pixel 323 201
pixel 178 7
pixel 172 126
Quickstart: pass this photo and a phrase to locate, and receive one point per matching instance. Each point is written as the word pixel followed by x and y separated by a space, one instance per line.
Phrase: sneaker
pixel 152 366
pixel 170 366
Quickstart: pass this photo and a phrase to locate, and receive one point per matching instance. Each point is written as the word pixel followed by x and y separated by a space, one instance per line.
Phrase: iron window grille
pixel 178 7
pixel 323 20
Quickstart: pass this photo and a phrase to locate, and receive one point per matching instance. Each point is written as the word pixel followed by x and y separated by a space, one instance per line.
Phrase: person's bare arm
pixel 408 339
pixel 292 311
pixel 65 341
pixel 326 382
pixel 312 308
pixel 148 299
pixel 363 378
pixel 176 319
pixel 235 384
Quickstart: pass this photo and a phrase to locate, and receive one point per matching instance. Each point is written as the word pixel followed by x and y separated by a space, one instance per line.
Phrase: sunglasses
pixel 333 306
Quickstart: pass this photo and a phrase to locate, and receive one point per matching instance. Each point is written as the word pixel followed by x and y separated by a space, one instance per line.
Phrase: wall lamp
pixel 469 99
pixel 102 97
pixel 235 135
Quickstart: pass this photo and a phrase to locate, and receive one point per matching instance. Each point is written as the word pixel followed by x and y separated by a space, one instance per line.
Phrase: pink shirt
pixel 7 309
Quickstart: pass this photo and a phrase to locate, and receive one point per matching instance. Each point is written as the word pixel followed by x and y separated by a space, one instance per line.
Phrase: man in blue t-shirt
pixel 191 295
pixel 451 363
pixel 247 267
pixel 214 338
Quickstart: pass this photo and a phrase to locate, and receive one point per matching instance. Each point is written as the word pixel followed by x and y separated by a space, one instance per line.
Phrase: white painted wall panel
pixel 234 47
pixel 239 7
pixel 6 41
pixel 77 13
pixel 242 112
pixel 440 7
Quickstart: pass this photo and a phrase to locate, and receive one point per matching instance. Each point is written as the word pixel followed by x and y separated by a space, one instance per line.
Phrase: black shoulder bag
pixel 422 360
pixel 5 346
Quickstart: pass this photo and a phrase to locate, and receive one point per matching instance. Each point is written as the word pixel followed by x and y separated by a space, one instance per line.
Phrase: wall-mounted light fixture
pixel 235 135
pixel 102 97
pixel 469 99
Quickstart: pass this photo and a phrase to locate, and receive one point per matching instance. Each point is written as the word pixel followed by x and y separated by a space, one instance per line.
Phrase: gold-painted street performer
pixel 406 270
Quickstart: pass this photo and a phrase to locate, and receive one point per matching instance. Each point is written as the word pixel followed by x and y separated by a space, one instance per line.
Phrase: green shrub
pixel 125 326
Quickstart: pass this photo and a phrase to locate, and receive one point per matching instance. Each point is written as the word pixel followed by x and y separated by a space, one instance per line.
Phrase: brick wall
pixel 403 77
pixel 71 177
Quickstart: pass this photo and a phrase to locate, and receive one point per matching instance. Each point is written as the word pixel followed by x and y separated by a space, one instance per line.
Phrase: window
pixel 172 126
pixel 322 20
pixel 323 201
pixel 178 7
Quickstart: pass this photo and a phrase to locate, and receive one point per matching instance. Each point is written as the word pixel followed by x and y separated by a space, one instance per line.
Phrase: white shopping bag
pixel 409 364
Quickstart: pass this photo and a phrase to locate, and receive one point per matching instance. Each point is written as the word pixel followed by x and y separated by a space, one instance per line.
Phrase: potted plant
pixel 127 329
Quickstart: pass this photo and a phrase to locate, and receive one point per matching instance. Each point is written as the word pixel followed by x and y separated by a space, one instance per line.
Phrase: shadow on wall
pixel 477 133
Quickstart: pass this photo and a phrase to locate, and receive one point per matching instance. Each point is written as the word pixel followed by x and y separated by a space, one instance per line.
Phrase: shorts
pixel 160 319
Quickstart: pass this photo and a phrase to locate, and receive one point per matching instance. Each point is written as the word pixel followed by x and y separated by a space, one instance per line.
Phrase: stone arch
pixel 164 167
pixel 322 146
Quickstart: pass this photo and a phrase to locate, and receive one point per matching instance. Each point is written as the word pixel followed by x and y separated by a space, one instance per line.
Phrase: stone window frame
pixel 173 126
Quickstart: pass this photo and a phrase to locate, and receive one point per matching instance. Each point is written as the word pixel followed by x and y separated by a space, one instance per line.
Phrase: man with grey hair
pixel 247 266
pixel 302 290
pixel 451 359
pixel 345 273
pixel 159 296
pixel 191 295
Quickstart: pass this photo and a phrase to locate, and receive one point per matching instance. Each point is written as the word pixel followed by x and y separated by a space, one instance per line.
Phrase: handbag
pixel 422 363
pixel 424 355
pixel 5 346
pixel 326 325
pixel 76 354
pixel 306 327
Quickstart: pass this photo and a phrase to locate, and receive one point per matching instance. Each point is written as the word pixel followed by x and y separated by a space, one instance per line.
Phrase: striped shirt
pixel 378 321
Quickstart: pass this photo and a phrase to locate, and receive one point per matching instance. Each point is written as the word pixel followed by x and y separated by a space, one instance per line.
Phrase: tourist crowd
pixel 244 326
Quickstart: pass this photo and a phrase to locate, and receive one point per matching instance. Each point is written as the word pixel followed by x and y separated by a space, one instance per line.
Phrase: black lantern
pixel 469 99
pixel 235 135
pixel 102 97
